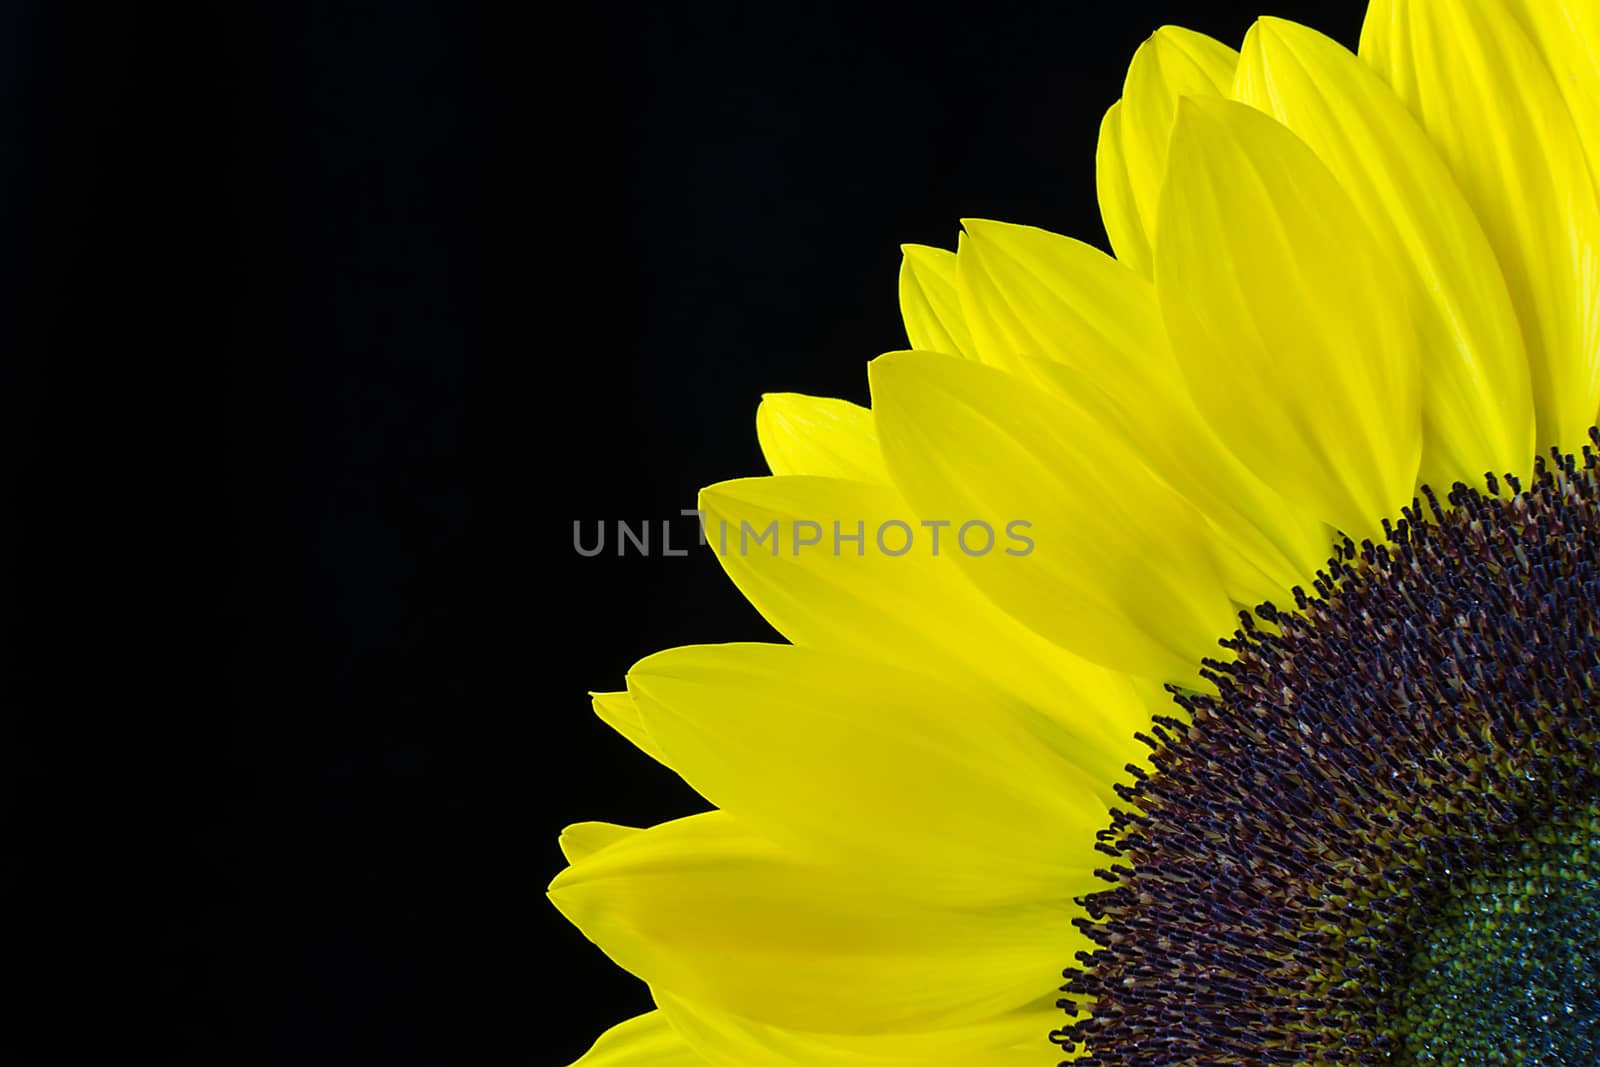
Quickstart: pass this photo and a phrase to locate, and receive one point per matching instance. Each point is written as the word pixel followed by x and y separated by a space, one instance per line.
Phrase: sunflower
pixel 1193 653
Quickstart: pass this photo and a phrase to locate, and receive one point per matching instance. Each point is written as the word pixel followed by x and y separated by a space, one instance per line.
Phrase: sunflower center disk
pixel 1379 842
pixel 1506 973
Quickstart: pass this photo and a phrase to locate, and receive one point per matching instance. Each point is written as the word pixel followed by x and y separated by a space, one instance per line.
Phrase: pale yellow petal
pixel 819 435
pixel 1172 62
pixel 857 571
pixel 647 1040
pixel 1477 403
pixel 929 305
pixel 1114 190
pixel 583 839
pixel 713 913
pixel 1118 567
pixel 617 711
pixel 1290 325
pixel 1490 105
pixel 936 785
pixel 1015 1039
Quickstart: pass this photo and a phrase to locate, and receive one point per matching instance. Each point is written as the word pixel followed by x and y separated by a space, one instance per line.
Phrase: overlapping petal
pixel 617 711
pixel 1477 404
pixel 1567 35
pixel 647 1040
pixel 1119 211
pixel 1291 327
pixel 1172 63
pixel 929 303
pixel 819 435
pixel 1012 1039
pixel 1070 318
pixel 857 572
pixel 583 839
pixel 1491 107
pixel 715 913
pixel 928 782
pixel 1119 567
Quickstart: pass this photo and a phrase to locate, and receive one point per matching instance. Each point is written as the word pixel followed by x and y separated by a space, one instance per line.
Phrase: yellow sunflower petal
pixel 617 711
pixel 1015 1039
pixel 1029 292
pixel 1117 566
pixel 1489 103
pixel 936 785
pixel 1567 35
pixel 929 305
pixel 647 1040
pixel 1114 189
pixel 583 839
pixel 1172 62
pixel 899 595
pixel 819 435
pixel 1477 404
pixel 1037 296
pixel 716 914
pixel 1290 325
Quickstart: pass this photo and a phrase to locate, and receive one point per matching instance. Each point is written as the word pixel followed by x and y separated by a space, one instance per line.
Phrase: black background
pixel 326 322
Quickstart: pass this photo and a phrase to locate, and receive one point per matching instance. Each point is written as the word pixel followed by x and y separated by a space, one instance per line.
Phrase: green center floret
pixel 1509 970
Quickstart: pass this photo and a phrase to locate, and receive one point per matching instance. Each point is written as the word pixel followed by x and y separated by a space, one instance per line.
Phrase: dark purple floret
pixel 1379 842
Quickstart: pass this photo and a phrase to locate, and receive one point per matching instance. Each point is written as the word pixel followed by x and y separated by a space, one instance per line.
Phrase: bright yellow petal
pixel 583 839
pixel 928 301
pixel 1016 1039
pixel 706 909
pixel 1567 35
pixel 819 435
pixel 931 783
pixel 1037 296
pixel 1172 62
pixel 1117 567
pixel 616 710
pixel 1489 103
pixel 1477 403
pixel 1290 326
pixel 1028 292
pixel 899 595
pixel 646 1040
pixel 1114 189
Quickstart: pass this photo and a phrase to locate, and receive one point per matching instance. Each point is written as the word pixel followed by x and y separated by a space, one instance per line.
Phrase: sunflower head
pixel 1218 620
